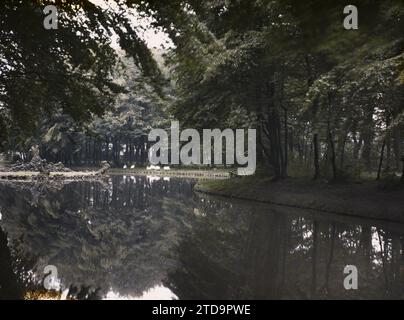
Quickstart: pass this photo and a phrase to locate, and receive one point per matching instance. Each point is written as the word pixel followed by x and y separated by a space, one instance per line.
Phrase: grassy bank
pixel 365 199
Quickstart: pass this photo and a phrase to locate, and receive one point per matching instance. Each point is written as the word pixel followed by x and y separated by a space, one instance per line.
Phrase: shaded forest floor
pixel 365 199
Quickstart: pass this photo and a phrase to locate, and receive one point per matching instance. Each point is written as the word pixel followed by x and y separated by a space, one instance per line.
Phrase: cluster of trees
pixel 320 96
pixel 119 136
pixel 70 90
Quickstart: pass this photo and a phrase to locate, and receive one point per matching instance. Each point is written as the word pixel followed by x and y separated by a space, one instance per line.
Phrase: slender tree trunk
pixel 388 155
pixel 285 120
pixel 366 152
pixel 342 159
pixel 388 145
pixel 107 149
pixel 127 152
pixel 291 139
pixel 379 171
pixel 271 127
pixel 316 157
pixel 357 146
pixel 333 160
pixel 397 147
pixel 402 174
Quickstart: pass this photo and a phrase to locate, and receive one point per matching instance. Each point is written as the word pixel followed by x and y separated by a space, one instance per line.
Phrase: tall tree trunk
pixel 402 174
pixel 368 136
pixel 271 129
pixel 285 120
pixel 342 151
pixel 397 147
pixel 333 160
pixel 291 143
pixel 379 171
pixel 316 157
pixel 127 157
pixel 388 153
pixel 107 149
pixel 388 145
pixel 357 146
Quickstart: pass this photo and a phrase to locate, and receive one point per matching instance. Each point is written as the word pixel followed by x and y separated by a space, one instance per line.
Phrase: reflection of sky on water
pixel 156 293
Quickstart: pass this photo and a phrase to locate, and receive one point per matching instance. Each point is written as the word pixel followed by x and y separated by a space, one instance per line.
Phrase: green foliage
pixel 287 68
pixel 42 70
pixel 266 60
pixel 68 70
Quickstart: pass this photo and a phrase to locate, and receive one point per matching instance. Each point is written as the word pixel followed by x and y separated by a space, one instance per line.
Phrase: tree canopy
pixel 288 68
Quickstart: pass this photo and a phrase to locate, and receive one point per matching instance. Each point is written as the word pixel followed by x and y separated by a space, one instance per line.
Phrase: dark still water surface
pixel 150 238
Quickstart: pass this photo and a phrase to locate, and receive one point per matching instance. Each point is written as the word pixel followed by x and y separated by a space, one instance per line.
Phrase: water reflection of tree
pixel 10 286
pixel 243 251
pixel 127 233
pixel 18 282
pixel 112 235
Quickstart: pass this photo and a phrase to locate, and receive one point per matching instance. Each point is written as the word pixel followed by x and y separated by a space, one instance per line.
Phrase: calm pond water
pixel 150 238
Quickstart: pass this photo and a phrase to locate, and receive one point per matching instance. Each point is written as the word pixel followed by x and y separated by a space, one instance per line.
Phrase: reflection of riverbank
pixel 89 174
pixel 363 200
pixel 179 173
pixel 245 250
